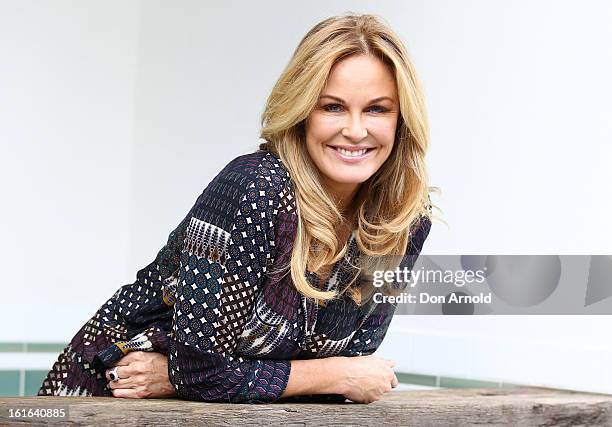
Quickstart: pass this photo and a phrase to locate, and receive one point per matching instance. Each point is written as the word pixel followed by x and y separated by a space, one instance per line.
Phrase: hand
pixel 364 379
pixel 143 375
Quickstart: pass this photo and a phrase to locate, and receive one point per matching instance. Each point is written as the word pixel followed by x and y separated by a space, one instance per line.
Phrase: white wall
pixel 118 114
pixel 520 102
pixel 520 107
pixel 67 80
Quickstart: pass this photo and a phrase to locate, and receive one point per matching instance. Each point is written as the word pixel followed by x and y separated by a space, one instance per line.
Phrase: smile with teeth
pixel 348 153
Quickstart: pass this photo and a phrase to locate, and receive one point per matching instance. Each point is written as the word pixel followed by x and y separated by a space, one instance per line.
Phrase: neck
pixel 343 195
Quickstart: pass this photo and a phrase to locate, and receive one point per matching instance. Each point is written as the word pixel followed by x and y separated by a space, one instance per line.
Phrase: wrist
pixel 335 371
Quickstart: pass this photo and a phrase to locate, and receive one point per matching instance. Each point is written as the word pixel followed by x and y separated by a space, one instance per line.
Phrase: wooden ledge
pixel 512 406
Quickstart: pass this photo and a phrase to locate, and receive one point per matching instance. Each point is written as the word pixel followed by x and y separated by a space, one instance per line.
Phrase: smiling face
pixel 350 132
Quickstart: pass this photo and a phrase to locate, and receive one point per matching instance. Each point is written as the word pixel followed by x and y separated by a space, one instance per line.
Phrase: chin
pixel 350 179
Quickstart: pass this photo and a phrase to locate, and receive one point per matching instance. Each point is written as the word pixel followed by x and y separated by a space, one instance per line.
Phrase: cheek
pixel 322 129
pixel 319 132
pixel 383 131
pixel 387 129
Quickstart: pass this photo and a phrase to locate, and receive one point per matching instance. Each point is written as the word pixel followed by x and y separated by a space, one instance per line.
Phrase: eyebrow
pixel 381 98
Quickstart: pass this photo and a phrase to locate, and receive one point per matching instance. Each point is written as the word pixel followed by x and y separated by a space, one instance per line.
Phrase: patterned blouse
pixel 208 301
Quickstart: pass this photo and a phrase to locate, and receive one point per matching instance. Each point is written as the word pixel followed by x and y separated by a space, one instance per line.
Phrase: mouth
pixel 352 156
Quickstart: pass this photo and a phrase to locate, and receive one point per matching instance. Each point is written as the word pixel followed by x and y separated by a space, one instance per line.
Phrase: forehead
pixel 361 73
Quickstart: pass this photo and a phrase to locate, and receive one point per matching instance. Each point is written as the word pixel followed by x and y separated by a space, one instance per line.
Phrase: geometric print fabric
pixel 210 302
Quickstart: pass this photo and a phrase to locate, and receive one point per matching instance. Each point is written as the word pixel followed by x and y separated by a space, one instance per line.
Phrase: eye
pixel 333 108
pixel 378 109
pixel 336 108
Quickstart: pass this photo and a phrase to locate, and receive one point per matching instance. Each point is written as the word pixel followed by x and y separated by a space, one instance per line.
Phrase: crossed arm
pixel 362 379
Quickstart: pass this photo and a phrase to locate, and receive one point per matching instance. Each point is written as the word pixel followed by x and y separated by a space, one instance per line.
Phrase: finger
pixel 128 393
pixel 107 374
pixel 123 361
pixel 122 383
pixel 394 381
pixel 124 372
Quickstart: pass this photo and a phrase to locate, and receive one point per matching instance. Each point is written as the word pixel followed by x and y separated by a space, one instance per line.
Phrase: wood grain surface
pixel 521 406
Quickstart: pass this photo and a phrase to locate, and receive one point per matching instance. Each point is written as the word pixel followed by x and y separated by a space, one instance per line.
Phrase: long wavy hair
pixel 390 203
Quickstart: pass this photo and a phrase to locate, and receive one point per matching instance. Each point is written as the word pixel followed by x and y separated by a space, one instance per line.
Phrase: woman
pixel 261 293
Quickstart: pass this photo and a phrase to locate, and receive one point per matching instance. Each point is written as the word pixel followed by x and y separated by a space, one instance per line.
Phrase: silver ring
pixel 114 375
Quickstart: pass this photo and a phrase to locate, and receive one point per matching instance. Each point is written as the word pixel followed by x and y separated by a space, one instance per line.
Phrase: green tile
pixel 33 347
pixel 9 383
pixel 509 385
pixel 33 381
pixel 428 380
pixel 450 382
pixel 11 346
pixel 45 347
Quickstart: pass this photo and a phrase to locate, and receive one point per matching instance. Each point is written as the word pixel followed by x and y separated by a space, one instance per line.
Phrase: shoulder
pixel 262 168
pixel 251 183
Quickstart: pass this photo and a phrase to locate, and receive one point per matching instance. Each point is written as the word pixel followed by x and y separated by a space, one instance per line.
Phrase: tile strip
pixel 35 347
pixel 11 346
pixel 452 382
pixel 408 378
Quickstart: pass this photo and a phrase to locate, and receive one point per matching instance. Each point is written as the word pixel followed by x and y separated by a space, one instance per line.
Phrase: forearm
pixel 315 376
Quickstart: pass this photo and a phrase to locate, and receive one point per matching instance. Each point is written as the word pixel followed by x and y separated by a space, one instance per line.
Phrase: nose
pixel 355 130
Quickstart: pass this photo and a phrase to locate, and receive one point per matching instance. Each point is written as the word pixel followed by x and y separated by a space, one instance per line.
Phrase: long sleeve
pixel 138 317
pixel 144 307
pixel 371 333
pixel 193 298
pixel 229 244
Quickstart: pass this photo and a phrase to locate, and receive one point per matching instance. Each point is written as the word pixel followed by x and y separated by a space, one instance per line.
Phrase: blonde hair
pixel 388 205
